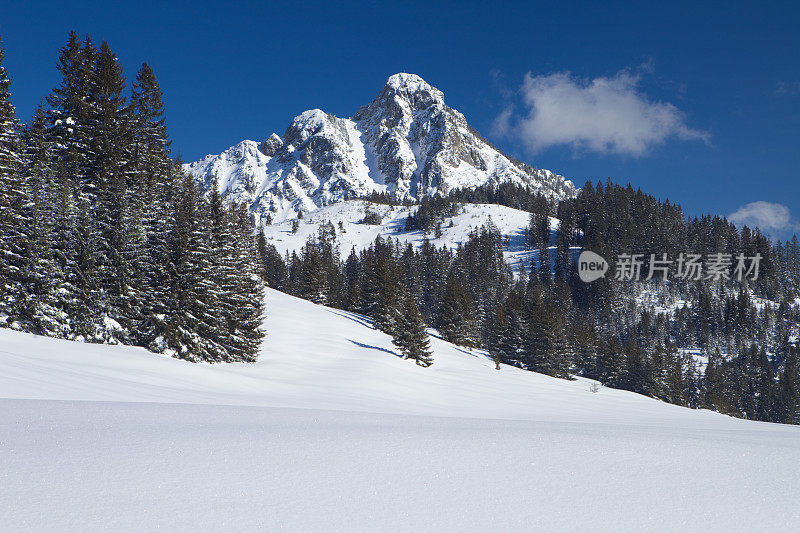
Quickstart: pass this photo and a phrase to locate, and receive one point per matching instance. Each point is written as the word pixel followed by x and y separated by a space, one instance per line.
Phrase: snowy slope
pixel 340 363
pixel 378 444
pixel 354 234
pixel 406 142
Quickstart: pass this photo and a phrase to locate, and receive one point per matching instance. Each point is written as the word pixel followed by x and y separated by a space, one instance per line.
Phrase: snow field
pixel 331 431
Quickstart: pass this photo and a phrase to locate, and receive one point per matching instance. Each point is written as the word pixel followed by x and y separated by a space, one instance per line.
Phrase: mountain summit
pixel 406 142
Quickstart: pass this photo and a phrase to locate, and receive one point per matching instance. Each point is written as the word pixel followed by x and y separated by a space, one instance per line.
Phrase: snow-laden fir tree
pixel 410 334
pixel 190 321
pixel 41 305
pixel 153 188
pixel 13 204
pixel 238 288
pixel 498 333
pixel 75 235
pixel 115 210
pixel 272 266
pixel 314 275
pixel 247 318
pixel 382 286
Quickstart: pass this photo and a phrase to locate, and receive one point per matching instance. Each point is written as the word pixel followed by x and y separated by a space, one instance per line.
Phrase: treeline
pixel 744 332
pixel 725 314
pixel 433 209
pixel 614 220
pixel 103 238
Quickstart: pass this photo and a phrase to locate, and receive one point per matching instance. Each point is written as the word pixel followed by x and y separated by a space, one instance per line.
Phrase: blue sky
pixel 698 104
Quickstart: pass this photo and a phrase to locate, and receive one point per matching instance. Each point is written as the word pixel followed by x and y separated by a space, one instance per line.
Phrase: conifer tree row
pixel 103 238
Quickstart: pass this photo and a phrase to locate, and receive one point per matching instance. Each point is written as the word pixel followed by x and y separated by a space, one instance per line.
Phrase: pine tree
pixel 13 203
pixel 44 277
pixel 410 334
pixel 85 309
pixel 114 209
pixel 191 318
pixel 151 144
pixel 75 238
pixel 314 276
pixel 793 253
pixel 273 268
pixel 611 363
pixel 676 384
pixel 383 283
pixel 498 333
pixel 636 373
pixel 63 247
pixel 457 317
pixel 353 282
pixel 221 269
pixel 512 343
pixel 563 242
pixel 153 178
pixel 544 262
pixel 69 109
pixel 239 290
pixel 586 349
pixel 538 338
pixel 560 349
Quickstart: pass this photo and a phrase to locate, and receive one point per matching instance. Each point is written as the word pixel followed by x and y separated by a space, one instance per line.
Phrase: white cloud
pixel 773 219
pixel 605 115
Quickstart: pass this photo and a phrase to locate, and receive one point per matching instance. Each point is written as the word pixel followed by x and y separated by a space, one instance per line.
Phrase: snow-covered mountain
pixel 406 142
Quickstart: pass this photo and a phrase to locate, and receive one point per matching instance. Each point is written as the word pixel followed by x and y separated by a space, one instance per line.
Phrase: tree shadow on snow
pixel 362 345
pixel 358 319
pixel 436 335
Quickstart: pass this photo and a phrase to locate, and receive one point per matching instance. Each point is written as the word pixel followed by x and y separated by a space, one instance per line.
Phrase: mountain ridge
pixel 406 142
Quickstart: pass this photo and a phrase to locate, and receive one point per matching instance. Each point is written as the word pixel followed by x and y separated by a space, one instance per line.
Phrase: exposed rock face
pixel 406 142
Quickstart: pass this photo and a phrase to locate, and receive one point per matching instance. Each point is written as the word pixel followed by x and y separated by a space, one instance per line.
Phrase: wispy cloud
pixel 787 88
pixel 609 115
pixel 775 220
pixel 502 124
pixel 499 82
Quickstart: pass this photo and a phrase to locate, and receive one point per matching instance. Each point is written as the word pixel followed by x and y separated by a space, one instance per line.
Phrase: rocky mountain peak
pixel 305 125
pixel 412 89
pixel 406 142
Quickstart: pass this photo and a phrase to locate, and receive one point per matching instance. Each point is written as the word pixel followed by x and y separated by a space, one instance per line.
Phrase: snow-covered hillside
pixel 406 142
pixel 354 233
pixel 340 363
pixel 330 430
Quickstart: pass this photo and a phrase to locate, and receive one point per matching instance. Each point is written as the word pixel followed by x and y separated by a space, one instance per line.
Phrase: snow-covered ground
pixel 354 234
pixel 330 430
